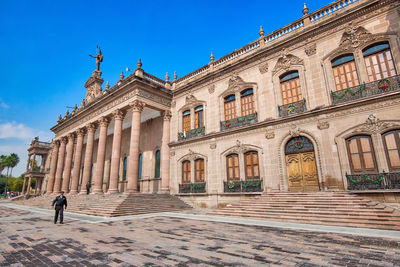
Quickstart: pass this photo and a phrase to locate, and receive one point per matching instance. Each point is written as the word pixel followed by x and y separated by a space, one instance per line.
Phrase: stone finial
pixel 305 9
pixel 67 113
pixel 121 77
pixel 212 57
pixel 139 64
pixel 75 107
pixel 107 86
pixel 59 118
pixel 166 77
pixel 175 76
pixel 261 31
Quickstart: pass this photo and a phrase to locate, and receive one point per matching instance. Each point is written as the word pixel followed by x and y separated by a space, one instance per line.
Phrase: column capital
pixel 137 105
pixel 64 139
pixel 167 115
pixel 80 132
pixel 71 136
pixel 104 121
pixel 119 114
pixel 57 142
pixel 91 127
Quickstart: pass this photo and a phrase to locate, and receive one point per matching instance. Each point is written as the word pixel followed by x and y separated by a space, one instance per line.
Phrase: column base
pixel 97 192
pixel 73 192
pixel 83 193
pixel 164 191
pixel 112 191
pixel 131 191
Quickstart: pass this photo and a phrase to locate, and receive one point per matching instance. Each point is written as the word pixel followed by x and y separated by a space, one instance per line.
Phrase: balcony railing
pixel 367 89
pixel 292 108
pixel 243 186
pixel 240 121
pixel 191 133
pixel 193 188
pixel 373 181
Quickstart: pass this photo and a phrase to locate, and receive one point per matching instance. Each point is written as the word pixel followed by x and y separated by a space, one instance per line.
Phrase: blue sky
pixel 45 45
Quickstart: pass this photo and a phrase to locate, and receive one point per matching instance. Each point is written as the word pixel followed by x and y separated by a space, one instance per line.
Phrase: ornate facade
pixel 312 106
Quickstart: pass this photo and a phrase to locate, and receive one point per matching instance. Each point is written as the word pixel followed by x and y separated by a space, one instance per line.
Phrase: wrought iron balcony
pixel 292 108
pixel 194 188
pixel 373 181
pixel 367 89
pixel 243 186
pixel 240 121
pixel 191 133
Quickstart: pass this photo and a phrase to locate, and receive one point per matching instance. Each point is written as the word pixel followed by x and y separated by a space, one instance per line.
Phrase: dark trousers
pixel 59 210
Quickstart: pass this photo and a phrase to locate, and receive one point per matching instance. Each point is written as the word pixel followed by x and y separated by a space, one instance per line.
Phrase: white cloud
pixel 3 104
pixel 15 130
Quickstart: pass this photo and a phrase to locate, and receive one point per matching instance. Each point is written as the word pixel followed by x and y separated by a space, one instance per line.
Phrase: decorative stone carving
pixel 80 132
pixel 211 88
pixel 294 131
pixel 172 153
pixel 173 104
pixel 91 127
pixel 310 49
pixel 119 114
pixel 137 105
pixel 269 134
pixel 167 115
pixel 374 125
pixel 286 61
pixel 354 36
pixel 103 121
pixel 93 87
pixel 234 82
pixel 213 145
pixel 322 125
pixel 190 99
pixel 263 68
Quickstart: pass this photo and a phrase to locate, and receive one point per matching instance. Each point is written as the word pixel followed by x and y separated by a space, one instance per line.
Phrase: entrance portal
pixel 300 165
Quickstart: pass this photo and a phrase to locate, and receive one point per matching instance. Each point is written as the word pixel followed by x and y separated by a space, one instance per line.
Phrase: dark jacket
pixel 60 202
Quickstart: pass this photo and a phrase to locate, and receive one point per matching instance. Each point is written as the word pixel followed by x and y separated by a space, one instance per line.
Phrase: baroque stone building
pixel 313 106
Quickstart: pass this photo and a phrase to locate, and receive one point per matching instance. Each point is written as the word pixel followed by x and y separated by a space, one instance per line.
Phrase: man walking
pixel 88 188
pixel 60 202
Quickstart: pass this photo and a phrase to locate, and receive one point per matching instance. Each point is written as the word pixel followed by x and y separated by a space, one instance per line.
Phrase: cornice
pixel 324 113
pixel 295 40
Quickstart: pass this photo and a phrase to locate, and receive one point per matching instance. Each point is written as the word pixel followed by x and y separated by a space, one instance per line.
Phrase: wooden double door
pixel 302 169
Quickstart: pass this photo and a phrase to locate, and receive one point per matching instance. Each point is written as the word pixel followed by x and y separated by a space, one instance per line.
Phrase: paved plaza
pixel 29 238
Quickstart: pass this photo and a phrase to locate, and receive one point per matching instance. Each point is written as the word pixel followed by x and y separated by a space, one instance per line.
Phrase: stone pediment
pixel 355 36
pixel 286 61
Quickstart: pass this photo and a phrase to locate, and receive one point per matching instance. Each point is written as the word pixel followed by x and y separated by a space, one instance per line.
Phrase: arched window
pixel 157 165
pixel 344 72
pixel 391 141
pixel 230 107
pixel 140 166
pixel 247 102
pixel 198 116
pixel 290 87
pixel 379 62
pixel 199 170
pixel 186 121
pixel 361 154
pixel 251 161
pixel 232 166
pixel 186 171
pixel 124 169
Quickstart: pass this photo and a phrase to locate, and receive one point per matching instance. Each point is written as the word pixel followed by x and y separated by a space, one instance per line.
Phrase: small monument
pixel 93 84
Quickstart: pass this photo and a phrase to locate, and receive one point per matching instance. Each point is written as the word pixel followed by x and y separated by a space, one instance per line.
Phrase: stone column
pixel 53 165
pixel 87 164
pixel 28 190
pixel 116 151
pixel 133 160
pixel 68 163
pixel 165 152
pixel 27 163
pixel 33 162
pixel 23 186
pixel 101 153
pixel 77 162
pixel 60 166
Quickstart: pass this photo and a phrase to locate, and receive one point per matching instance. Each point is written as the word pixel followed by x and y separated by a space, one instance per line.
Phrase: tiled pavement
pixel 29 238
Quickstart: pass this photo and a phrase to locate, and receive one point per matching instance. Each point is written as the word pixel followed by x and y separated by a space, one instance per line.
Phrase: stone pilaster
pixel 87 164
pixel 68 163
pixel 27 163
pixel 133 160
pixel 33 162
pixel 101 153
pixel 53 166
pixel 165 156
pixel 116 151
pixel 23 186
pixel 77 161
pixel 28 190
pixel 60 165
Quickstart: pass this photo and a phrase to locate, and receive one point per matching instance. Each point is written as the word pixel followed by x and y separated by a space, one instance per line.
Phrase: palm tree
pixel 2 163
pixel 14 160
pixel 10 162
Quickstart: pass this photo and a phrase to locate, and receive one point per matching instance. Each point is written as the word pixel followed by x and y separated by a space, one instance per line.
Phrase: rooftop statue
pixel 99 59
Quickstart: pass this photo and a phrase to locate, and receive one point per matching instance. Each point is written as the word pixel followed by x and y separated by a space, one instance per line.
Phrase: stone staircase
pixel 327 208
pixel 113 205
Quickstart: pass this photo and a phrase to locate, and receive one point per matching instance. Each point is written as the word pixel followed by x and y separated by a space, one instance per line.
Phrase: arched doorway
pixel 300 164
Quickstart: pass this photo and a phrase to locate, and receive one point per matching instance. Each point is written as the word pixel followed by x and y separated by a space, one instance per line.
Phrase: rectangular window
pixel 198 115
pixel 291 91
pixel 380 65
pixel 251 161
pixel 186 172
pixel 230 109
pixel 199 170
pixel 345 76
pixel 247 104
pixel 361 154
pixel 233 167
pixel 186 121
pixel 392 148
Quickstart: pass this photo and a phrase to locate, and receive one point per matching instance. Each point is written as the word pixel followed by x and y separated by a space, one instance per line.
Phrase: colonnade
pixel 61 178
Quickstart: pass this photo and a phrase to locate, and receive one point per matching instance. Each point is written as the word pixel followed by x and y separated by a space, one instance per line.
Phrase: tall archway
pixel 301 165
